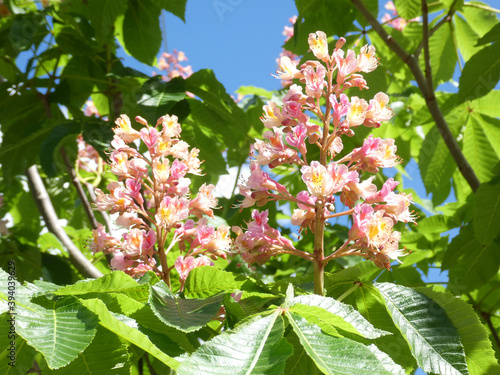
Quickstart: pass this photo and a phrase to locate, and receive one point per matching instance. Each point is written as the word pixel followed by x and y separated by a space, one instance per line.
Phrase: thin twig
pixel 483 7
pixel 430 99
pixel 42 199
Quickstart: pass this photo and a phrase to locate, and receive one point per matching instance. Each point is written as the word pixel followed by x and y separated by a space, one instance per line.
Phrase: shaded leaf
pixel 207 281
pixel 480 74
pixel 127 333
pixel 442 54
pixel 141 30
pixel 102 15
pixel 187 315
pixel 470 263
pixel 176 7
pixel 20 353
pixel 106 354
pixel 433 339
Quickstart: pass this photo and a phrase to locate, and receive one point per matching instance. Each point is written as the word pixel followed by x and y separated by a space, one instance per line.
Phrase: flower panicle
pixel 317 110
pixel 156 208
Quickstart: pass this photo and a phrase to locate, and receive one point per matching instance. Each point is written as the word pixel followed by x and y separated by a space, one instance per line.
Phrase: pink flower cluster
pixel 290 136
pixel 170 63
pixel 153 201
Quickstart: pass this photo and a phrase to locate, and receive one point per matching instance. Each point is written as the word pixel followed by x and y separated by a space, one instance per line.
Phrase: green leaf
pixel 299 363
pixel 487 212
pixel 156 98
pixel 127 333
pixel 339 355
pixel 408 9
pixel 106 353
pixel 15 349
pixel 470 263
pixel 466 38
pixel 433 339
pixel 102 15
pixel 114 282
pixel 207 281
pixel 220 113
pixel 60 332
pixel 491 36
pixel 176 7
pixel 478 149
pixel 489 125
pixel 435 162
pixel 50 150
pixel 254 347
pixel 370 303
pixel 329 311
pixel 141 30
pixel 187 315
pixel 481 20
pixel 442 55
pixel 478 352
pixel 437 224
pixel 480 74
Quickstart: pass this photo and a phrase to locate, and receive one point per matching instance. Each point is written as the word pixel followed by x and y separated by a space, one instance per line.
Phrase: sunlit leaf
pixel 433 339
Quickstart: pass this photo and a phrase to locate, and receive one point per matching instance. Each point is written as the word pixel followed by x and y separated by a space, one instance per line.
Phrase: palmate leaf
pixel 330 310
pixel 107 354
pixel 102 15
pixel 187 315
pixel 255 347
pixel 442 55
pixel 408 9
pixel 480 356
pixel 434 341
pixel 61 331
pixel 131 335
pixel 339 355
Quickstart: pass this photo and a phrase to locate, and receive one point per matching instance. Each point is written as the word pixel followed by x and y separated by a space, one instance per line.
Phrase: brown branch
pixel 430 99
pixel 79 189
pixel 441 22
pixel 425 42
pixel 42 199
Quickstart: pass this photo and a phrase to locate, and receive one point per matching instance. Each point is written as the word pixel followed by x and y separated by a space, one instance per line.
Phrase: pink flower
pixel 319 45
pixel 150 136
pixel 357 111
pixel 272 116
pixel 185 265
pixel 124 129
pixel 204 202
pixel 367 62
pixel 171 211
pixel 346 66
pixel 287 69
pixel 161 169
pixel 171 127
pixel 274 152
pixel 375 153
pixel 318 180
pixel 315 80
pixel 101 241
pixel 378 111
